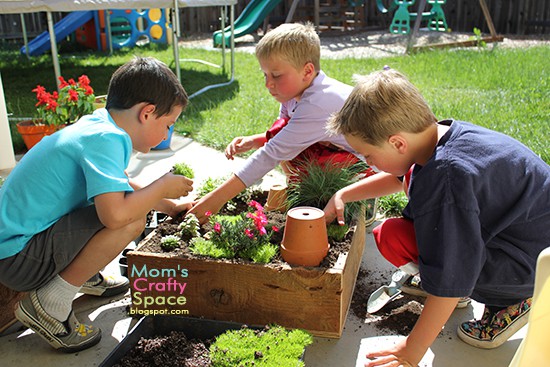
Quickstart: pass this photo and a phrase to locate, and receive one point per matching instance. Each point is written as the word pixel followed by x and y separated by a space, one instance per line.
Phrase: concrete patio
pixel 21 347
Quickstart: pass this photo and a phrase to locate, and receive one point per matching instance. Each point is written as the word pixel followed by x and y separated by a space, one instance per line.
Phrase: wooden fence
pixel 517 17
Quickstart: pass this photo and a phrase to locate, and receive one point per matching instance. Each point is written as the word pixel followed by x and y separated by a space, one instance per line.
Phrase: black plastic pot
pixel 151 326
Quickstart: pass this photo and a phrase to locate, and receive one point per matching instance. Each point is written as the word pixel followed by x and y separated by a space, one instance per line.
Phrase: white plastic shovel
pixel 380 297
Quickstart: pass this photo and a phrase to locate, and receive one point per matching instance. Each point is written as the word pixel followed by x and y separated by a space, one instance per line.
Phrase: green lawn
pixel 504 89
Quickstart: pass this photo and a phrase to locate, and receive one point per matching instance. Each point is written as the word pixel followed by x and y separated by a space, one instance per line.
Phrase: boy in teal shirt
pixel 68 208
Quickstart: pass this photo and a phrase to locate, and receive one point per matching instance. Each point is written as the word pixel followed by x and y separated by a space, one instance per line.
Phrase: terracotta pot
pixel 276 198
pixel 32 133
pixel 305 240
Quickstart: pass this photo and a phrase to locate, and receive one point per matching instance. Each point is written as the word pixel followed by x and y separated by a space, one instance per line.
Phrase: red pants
pixel 395 237
pixel 396 241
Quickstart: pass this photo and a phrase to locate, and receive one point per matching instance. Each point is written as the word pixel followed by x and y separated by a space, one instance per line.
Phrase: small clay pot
pixel 276 198
pixel 305 240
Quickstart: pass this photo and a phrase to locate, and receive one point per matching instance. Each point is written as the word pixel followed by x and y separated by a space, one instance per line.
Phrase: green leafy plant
pixel 478 38
pixel 245 235
pixel 392 205
pixel 189 227
pixel 169 243
pixel 183 169
pixel 274 347
pixel 336 232
pixel 316 183
pixel 74 100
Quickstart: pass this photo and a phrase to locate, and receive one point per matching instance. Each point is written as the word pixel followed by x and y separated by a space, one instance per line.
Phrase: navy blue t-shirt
pixel 481 212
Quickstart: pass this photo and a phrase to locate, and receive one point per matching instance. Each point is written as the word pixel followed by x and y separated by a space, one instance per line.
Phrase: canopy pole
pixel 175 39
pixel 53 44
pixel 7 158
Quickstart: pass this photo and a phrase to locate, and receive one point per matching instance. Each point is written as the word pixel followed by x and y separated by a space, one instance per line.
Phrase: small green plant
pixel 336 232
pixel 189 227
pixel 273 347
pixel 392 205
pixel 169 243
pixel 316 183
pixel 245 236
pixel 478 38
pixel 183 169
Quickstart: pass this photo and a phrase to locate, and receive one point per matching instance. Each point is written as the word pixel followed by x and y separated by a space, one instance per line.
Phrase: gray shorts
pixel 50 251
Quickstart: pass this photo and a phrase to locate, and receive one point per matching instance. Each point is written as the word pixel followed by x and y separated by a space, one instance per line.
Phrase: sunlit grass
pixel 507 90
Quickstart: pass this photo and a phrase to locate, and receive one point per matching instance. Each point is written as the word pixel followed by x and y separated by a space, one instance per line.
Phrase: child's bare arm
pixel 374 186
pixel 243 144
pixel 117 209
pixel 410 351
pixel 213 201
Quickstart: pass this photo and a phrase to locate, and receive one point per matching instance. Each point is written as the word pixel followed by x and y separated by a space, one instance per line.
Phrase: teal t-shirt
pixel 62 173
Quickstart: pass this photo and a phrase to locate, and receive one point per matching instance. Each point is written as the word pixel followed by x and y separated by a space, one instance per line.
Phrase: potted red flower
pixel 57 109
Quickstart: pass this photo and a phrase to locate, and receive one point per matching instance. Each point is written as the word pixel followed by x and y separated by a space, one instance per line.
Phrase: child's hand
pixel 176 186
pixel 395 356
pixel 335 209
pixel 239 145
pixel 205 207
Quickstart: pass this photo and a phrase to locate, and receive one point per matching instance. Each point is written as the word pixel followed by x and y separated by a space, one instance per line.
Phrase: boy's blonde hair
pixel 382 104
pixel 295 43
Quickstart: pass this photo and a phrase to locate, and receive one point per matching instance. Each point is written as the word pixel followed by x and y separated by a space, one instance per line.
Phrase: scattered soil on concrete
pixel 398 316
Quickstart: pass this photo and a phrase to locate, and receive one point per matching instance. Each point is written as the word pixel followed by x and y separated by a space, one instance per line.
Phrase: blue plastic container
pixel 165 144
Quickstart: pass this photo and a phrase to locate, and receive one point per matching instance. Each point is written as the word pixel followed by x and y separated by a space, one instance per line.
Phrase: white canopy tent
pixel 20 6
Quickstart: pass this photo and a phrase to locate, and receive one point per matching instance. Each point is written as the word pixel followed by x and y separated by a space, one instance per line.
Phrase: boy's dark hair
pixel 145 79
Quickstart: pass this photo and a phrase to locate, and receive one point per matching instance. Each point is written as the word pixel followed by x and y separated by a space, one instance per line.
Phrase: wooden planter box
pixel 313 299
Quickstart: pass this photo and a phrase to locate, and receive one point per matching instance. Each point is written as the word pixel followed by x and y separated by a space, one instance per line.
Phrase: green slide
pixel 249 20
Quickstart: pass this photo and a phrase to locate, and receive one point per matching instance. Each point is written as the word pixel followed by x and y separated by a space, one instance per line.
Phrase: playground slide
pixel 62 29
pixel 249 20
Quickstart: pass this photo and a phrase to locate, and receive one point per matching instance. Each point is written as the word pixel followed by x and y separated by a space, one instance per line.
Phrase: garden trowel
pixel 386 293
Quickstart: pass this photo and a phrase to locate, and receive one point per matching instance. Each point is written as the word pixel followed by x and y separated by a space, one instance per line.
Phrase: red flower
pixel 208 213
pixel 62 82
pixel 218 227
pixel 73 95
pixel 249 233
pixel 275 229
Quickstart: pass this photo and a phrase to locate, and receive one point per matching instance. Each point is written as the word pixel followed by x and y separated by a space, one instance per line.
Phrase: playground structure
pixel 249 20
pixel 402 17
pixel 106 29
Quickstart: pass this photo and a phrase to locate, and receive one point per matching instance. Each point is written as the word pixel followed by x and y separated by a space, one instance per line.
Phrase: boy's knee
pixel 396 240
pixel 136 228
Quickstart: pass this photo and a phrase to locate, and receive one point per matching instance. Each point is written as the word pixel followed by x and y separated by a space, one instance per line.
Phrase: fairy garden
pixel 232 267
pixel 246 230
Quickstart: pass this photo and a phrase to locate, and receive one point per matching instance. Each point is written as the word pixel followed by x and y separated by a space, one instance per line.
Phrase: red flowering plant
pixel 246 236
pixel 74 100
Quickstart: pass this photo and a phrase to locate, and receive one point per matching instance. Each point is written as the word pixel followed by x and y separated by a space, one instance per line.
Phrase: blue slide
pixel 249 20
pixel 62 29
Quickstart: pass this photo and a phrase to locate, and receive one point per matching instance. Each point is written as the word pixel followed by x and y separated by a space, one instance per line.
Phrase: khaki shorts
pixel 50 251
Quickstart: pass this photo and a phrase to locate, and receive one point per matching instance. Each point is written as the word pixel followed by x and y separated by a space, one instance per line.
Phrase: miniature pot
pixel 276 198
pixel 305 240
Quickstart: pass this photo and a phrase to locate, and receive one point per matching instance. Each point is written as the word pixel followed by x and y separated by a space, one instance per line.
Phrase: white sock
pixel 56 297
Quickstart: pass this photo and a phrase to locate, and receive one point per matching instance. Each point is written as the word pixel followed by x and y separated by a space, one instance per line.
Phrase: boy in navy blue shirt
pixel 478 213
